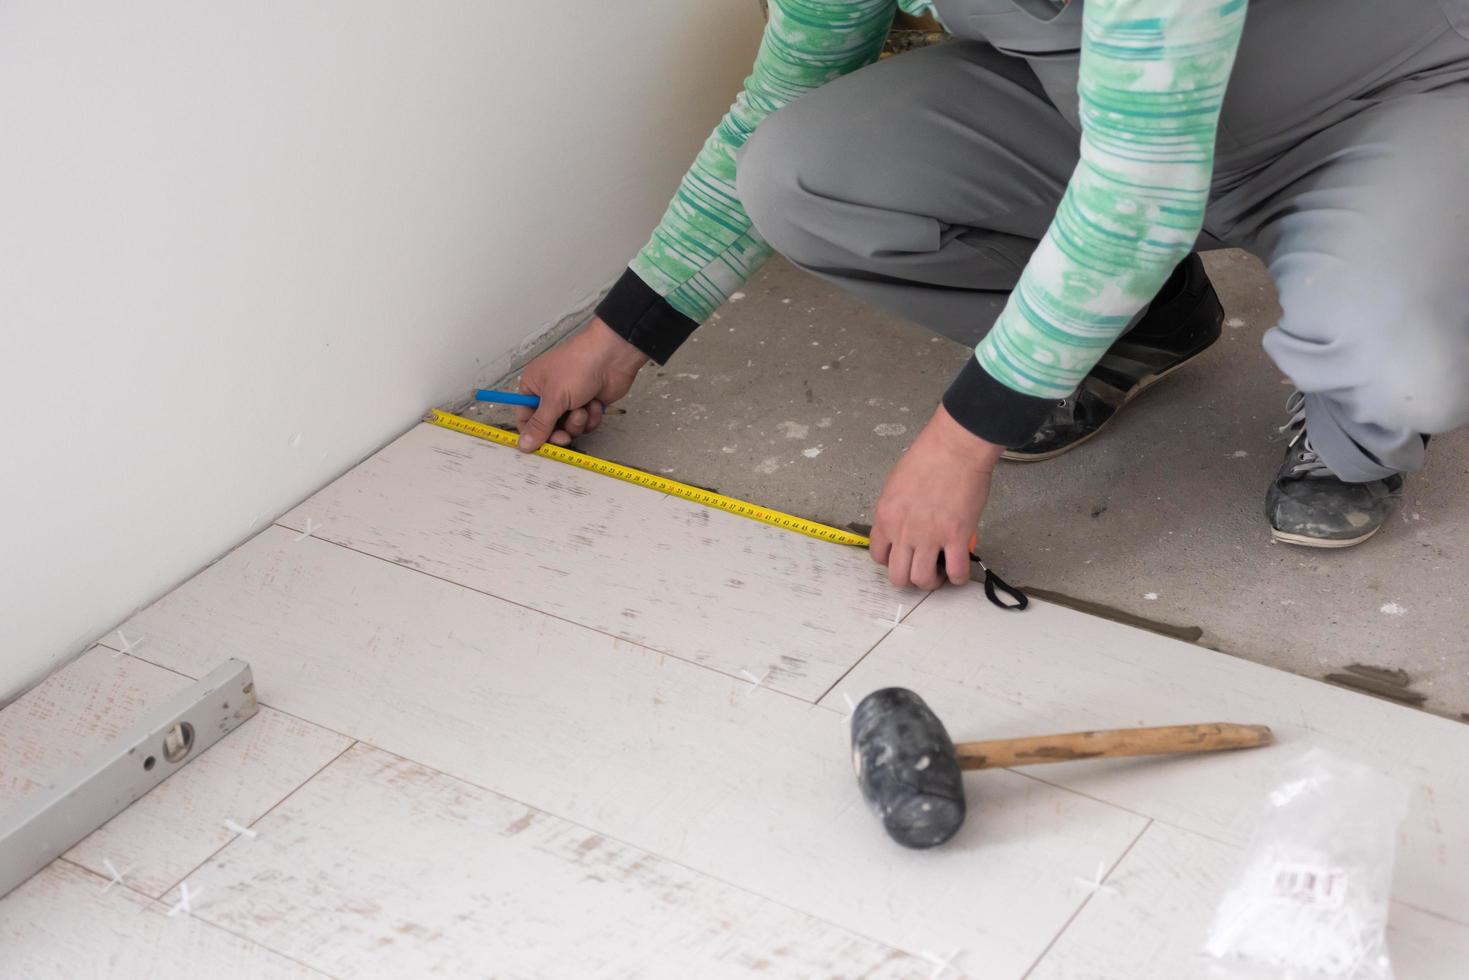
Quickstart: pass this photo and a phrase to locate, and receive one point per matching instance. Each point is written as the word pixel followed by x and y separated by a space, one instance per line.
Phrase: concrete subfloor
pixel 800 397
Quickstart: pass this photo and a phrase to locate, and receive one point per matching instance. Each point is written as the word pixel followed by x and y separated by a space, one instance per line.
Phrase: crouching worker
pixel 1040 188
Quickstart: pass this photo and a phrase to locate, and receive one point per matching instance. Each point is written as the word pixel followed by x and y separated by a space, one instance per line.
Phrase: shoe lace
pixel 1309 463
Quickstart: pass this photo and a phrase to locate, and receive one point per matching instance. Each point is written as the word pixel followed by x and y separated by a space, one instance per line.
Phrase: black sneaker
pixel 1309 505
pixel 1183 322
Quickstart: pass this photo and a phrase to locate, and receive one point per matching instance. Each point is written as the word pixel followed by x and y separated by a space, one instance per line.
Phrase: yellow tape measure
pixel 790 522
pixel 663 485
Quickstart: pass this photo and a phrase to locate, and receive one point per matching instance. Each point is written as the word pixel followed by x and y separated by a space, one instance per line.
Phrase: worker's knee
pixel 772 171
pixel 765 179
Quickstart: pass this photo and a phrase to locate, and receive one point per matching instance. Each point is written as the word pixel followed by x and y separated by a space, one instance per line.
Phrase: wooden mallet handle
pixel 1168 740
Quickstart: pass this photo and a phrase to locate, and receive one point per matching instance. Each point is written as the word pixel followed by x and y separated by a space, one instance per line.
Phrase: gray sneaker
pixel 1309 505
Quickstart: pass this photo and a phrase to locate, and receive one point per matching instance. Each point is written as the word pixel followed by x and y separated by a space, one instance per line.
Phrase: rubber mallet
pixel 912 774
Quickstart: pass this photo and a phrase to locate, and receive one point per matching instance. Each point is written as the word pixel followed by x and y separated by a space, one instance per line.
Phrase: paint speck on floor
pixel 1150 596
pixel 768 465
pixel 786 302
pixel 1234 323
pixel 1393 609
pixel 812 452
pixel 826 424
pixel 736 297
pixel 1239 454
pixel 794 430
pixel 890 429
pixel 729 449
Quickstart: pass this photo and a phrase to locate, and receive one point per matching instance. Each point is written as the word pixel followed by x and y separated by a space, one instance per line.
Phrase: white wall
pixel 243 244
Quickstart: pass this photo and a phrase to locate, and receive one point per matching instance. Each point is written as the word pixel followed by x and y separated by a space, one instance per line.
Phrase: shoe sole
pixel 1301 541
pixel 1146 382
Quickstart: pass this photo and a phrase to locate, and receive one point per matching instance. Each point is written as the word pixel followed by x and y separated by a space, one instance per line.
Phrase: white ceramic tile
pixel 382 868
pixel 61 925
pixel 675 576
pixel 749 785
pixel 991 674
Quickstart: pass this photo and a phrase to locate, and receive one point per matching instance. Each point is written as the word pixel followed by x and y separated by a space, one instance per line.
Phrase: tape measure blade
pixel 673 488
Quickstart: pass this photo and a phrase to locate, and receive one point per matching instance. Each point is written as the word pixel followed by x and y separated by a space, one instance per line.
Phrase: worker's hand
pixel 578 379
pixel 931 503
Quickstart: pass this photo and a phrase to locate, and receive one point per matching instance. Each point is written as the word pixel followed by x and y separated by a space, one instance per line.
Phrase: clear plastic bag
pixel 1311 900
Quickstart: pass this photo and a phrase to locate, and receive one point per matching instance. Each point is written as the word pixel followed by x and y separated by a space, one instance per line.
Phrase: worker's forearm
pixel 1153 77
pixel 705 245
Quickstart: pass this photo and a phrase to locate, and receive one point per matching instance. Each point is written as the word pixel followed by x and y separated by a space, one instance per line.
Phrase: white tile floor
pixel 509 730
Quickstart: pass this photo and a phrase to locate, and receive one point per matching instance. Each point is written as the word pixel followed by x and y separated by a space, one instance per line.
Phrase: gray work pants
pixel 923 183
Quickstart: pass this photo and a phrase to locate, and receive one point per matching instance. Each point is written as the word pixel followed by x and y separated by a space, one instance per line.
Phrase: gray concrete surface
pixel 800 397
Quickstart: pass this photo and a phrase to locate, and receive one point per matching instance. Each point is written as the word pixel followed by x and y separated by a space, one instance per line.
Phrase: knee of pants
pixel 1417 379
pixel 767 180
pixel 796 180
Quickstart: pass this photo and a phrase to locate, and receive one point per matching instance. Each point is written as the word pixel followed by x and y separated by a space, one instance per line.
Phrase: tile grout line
pixel 144 660
pixel 1025 773
pixel 156 905
pixel 880 640
pixel 1464 923
pixel 215 853
pixel 1085 902
pixel 542 612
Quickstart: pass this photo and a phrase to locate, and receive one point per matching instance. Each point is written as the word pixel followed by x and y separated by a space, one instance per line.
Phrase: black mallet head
pixel 907 767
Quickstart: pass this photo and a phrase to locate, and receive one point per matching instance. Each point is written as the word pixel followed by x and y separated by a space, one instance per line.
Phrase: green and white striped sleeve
pixel 1152 83
pixel 705 247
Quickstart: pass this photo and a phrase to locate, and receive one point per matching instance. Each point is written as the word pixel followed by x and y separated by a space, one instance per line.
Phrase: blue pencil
pixel 506 397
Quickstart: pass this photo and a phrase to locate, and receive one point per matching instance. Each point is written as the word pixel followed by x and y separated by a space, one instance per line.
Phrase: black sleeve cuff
pixel 992 411
pixel 643 318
